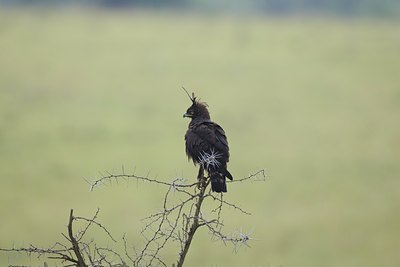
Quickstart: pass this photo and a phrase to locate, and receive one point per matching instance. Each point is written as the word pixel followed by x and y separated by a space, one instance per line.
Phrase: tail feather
pixel 218 182
pixel 228 174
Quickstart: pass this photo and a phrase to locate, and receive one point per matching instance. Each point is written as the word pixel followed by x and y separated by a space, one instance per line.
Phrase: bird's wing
pixel 213 134
pixel 194 144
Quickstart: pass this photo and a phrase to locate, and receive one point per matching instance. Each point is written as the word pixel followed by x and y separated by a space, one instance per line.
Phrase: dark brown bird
pixel 207 145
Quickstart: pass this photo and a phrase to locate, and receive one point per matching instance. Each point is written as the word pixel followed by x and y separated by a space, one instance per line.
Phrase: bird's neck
pixel 198 120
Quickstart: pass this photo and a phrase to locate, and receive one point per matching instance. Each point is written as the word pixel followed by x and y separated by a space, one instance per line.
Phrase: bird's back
pixel 205 136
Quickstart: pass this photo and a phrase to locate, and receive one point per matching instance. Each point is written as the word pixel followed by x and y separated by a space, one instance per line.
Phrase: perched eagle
pixel 206 145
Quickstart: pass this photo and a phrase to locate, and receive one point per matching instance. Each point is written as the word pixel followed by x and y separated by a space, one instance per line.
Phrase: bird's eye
pixel 191 111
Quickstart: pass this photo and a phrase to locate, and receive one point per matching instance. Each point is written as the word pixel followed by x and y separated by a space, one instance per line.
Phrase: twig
pixel 257 176
pixel 110 177
pixel 92 221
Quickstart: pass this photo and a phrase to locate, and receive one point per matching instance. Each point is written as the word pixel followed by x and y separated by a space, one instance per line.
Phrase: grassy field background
pixel 314 101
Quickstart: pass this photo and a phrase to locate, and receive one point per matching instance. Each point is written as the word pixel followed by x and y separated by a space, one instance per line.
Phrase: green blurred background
pixel 311 94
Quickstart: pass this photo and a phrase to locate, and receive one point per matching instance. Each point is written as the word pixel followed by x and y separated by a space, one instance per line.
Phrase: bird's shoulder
pixel 205 127
pixel 210 132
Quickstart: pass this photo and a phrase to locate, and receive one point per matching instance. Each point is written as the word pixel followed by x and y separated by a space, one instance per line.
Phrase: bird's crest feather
pixel 194 99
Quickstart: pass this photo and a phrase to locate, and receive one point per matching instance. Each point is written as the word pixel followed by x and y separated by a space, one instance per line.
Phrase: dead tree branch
pixel 182 214
pixel 80 262
pixel 76 252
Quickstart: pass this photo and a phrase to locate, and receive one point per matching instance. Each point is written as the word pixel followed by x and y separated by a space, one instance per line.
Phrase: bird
pixel 207 145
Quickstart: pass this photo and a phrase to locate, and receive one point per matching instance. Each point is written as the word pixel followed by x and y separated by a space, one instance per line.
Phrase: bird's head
pixel 197 109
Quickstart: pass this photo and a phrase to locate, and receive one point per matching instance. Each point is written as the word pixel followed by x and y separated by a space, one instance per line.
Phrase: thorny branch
pixel 182 214
pixel 76 252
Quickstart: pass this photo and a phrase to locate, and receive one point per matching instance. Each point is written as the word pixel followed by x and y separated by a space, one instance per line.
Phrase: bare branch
pixel 92 221
pixel 181 215
pixel 222 202
pixel 110 177
pixel 75 245
pixel 257 176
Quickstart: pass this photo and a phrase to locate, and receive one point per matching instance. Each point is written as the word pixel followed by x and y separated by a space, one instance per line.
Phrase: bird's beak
pixel 186 115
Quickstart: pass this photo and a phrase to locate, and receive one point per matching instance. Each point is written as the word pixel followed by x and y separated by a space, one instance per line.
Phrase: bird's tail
pixel 218 182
